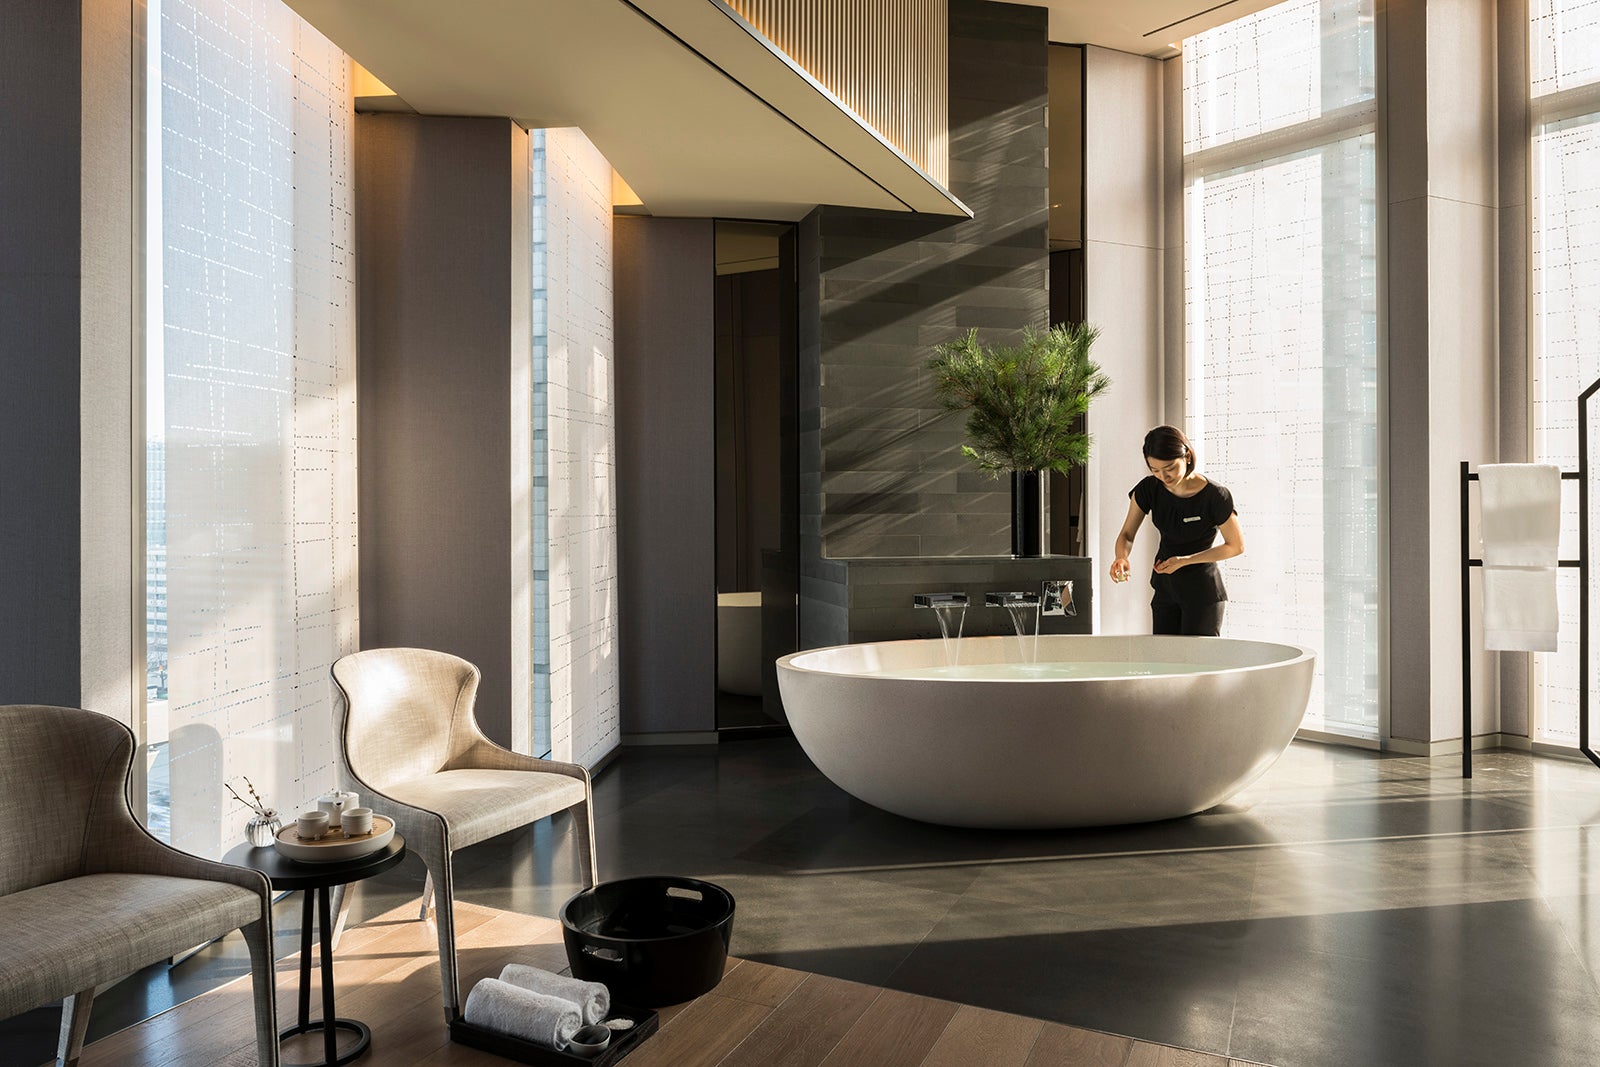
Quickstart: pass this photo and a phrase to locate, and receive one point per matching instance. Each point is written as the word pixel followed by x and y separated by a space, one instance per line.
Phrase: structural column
pixel 440 255
pixel 1438 147
pixel 69 440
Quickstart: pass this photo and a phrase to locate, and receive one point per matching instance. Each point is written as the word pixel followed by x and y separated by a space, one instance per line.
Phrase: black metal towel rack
pixel 1581 476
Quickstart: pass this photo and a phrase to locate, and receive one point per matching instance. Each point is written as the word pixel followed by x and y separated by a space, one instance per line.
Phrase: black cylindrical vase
pixel 1027 513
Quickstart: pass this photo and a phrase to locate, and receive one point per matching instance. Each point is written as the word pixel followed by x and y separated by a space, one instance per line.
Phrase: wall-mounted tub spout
pixel 1023 607
pixel 951 609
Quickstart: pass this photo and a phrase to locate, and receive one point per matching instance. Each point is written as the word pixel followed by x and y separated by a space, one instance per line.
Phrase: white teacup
pixel 357 821
pixel 311 825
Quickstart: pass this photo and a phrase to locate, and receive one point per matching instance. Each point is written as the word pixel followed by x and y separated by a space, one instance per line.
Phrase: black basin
pixel 651 941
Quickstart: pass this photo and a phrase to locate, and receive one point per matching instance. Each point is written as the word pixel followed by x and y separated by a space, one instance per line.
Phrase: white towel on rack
pixel 1519 609
pixel 1521 526
pixel 1521 514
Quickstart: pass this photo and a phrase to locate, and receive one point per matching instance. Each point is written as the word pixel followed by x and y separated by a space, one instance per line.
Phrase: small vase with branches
pixel 264 824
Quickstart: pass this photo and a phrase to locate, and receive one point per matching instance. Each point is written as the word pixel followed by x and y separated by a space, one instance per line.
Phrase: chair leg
pixel 74 1024
pixel 583 827
pixel 444 916
pixel 263 982
pixel 427 897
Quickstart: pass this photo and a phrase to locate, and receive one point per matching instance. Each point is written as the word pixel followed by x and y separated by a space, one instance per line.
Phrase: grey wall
pixel 666 464
pixel 40 154
pixel 882 474
pixel 434 228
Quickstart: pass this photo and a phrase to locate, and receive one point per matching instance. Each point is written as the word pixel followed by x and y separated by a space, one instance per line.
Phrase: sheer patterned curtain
pixel 1564 349
pixel 251 406
pixel 1281 303
pixel 576 705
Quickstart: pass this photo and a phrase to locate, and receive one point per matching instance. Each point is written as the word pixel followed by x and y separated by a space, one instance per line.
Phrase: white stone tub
pixel 1100 730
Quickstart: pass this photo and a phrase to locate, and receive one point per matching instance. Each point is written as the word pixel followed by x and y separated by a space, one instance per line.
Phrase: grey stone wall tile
pixel 861 545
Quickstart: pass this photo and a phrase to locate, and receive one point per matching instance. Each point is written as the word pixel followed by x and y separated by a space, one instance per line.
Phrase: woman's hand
pixel 1171 564
pixel 1120 569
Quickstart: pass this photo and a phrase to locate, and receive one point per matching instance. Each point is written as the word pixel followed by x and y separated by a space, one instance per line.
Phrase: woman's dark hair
pixel 1168 442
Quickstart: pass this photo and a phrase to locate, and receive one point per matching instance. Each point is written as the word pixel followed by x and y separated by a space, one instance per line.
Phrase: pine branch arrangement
pixel 1023 402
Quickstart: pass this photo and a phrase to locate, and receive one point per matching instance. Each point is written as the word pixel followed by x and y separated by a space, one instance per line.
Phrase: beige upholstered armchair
pixel 410 745
pixel 86 894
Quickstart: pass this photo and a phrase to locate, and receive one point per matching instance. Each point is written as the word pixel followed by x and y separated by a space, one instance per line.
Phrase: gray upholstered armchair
pixel 86 894
pixel 410 745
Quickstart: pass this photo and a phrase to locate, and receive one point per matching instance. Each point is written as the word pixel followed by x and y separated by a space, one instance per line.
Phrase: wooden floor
pixel 387 976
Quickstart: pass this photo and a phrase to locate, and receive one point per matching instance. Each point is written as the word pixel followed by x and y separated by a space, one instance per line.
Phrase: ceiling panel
pixel 698 117
pixel 1143 27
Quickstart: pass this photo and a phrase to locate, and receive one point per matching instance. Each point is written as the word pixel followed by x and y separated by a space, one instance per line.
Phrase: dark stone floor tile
pixel 1482 985
pixel 1173 985
pixel 855 835
pixel 1136 889
pixel 1340 817
pixel 870 924
pixel 628 780
pixel 1223 827
pixel 735 820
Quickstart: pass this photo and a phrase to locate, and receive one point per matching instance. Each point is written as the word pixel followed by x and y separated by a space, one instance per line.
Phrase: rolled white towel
pixel 518 1012
pixel 592 998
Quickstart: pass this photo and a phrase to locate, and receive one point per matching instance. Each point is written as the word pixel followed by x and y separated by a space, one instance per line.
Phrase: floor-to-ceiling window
pixel 576 708
pixel 1280 235
pixel 251 505
pixel 1564 341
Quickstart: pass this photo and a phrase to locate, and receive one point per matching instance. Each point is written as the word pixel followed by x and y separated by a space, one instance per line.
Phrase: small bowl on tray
pixel 334 846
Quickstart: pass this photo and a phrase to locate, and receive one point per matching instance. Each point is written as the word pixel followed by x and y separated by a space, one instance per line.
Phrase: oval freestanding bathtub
pixel 1100 730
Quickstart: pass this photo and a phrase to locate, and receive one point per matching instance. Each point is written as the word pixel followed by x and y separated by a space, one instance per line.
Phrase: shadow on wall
pixel 855 309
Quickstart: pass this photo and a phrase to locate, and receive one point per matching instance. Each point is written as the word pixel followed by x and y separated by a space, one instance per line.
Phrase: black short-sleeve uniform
pixel 1187 525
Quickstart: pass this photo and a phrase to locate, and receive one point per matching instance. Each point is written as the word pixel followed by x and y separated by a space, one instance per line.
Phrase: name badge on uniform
pixel 1192 518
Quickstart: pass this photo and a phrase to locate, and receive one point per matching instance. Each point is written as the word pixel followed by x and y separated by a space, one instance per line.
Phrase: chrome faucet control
pixel 1010 600
pixel 1058 598
pixel 938 600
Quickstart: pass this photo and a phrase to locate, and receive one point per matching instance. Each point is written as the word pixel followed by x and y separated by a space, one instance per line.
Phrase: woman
pixel 1188 510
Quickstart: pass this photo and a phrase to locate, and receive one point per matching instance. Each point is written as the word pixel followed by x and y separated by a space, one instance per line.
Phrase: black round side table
pixel 316 879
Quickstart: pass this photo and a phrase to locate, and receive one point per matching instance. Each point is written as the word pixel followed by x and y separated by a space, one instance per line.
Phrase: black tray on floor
pixel 645 1023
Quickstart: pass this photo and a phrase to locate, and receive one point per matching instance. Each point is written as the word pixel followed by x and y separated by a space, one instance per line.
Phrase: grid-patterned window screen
pixel 1282 67
pixel 1281 299
pixel 575 637
pixel 252 406
pixel 540 545
pixel 1564 71
pixel 1563 45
